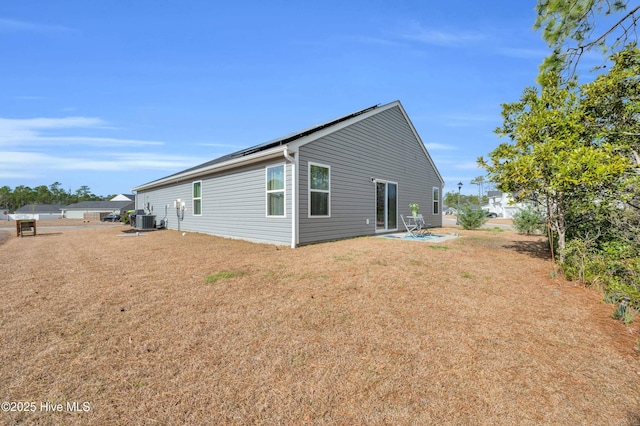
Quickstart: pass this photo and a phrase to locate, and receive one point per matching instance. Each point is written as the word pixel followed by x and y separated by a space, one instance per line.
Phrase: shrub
pixel 614 267
pixel 471 219
pixel 528 221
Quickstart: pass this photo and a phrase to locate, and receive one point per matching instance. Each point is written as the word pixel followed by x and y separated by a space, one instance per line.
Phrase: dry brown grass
pixel 361 331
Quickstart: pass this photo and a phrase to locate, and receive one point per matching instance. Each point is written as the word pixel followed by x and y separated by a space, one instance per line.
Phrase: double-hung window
pixel 436 200
pixel 275 191
pixel 197 198
pixel 319 190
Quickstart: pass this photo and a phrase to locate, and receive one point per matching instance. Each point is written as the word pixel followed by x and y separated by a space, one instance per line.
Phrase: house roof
pixel 124 197
pixel 40 208
pixel 110 205
pixel 282 140
pixel 277 146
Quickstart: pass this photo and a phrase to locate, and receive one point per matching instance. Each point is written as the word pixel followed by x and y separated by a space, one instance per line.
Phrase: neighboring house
pixel 94 210
pixel 502 204
pixel 124 197
pixel 348 177
pixel 39 211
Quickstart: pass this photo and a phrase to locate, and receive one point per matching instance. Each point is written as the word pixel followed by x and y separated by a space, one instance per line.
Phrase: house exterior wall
pixel 502 204
pixel 36 216
pixel 233 204
pixel 72 214
pixel 382 147
pixel 81 214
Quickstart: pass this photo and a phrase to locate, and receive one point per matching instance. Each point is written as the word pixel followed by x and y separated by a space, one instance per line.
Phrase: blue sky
pixel 115 94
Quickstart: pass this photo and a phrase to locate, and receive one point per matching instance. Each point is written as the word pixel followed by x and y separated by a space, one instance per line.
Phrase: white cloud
pixel 50 123
pixel 14 25
pixel 464 119
pixel 433 146
pixel 219 145
pixel 466 165
pixel 439 37
pixel 14 164
pixel 20 165
pixel 29 132
pixel 377 41
pixel 157 161
pixel 450 162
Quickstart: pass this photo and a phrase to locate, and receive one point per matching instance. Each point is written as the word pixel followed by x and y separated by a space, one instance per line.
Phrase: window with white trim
pixel 319 190
pixel 197 198
pixel 275 191
pixel 436 200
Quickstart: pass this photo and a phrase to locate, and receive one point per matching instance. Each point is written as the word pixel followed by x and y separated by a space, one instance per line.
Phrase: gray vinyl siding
pixel 233 205
pixel 383 147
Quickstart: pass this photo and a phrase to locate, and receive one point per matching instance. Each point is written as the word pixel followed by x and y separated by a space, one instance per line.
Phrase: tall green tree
pixel 612 102
pixel 22 195
pixel 84 194
pixel 5 198
pixel 42 195
pixel 570 28
pixel 54 194
pixel 480 182
pixel 451 199
pixel 58 194
pixel 552 157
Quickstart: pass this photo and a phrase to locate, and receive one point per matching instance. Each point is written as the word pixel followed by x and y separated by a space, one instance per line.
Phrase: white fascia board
pixel 303 141
pixel 424 148
pixel 214 168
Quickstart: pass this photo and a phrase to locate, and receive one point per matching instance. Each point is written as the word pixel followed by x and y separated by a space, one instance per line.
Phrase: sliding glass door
pixel 386 206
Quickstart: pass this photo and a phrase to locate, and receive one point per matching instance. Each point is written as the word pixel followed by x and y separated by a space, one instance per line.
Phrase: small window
pixel 319 190
pixel 197 198
pixel 275 191
pixel 436 200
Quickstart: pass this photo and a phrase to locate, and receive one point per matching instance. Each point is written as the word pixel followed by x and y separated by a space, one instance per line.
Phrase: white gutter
pixel 294 210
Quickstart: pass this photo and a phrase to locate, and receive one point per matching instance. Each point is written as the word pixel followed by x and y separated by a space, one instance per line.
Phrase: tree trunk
pixel 561 245
pixel 561 229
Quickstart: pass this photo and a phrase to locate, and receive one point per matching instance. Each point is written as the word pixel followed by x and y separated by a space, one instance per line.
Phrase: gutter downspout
pixel 294 210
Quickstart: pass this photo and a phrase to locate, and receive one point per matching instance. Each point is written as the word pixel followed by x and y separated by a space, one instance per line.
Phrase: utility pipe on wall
pixel 294 210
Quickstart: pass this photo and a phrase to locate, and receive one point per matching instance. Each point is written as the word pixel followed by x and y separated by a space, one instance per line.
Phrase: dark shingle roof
pixel 40 208
pixel 273 143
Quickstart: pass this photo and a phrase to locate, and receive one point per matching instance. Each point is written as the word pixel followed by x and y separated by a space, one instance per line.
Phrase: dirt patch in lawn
pixel 169 329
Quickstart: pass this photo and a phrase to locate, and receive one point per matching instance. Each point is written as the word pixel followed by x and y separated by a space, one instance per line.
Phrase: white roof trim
pixel 293 147
pixel 317 135
pixel 235 162
pixel 424 148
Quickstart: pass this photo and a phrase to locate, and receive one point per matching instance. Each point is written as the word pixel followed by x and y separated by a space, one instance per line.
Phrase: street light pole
pixel 458 212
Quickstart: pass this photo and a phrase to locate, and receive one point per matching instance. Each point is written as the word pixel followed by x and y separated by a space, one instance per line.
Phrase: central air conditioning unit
pixel 145 222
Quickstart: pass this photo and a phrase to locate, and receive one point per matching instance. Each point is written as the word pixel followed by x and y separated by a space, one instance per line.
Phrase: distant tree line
pixel 12 199
pixel 451 200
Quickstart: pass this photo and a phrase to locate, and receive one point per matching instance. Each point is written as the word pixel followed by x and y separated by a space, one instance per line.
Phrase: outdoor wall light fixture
pixel 373 179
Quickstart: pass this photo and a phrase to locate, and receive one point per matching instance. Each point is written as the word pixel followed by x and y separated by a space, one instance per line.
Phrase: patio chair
pixel 423 227
pixel 410 225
